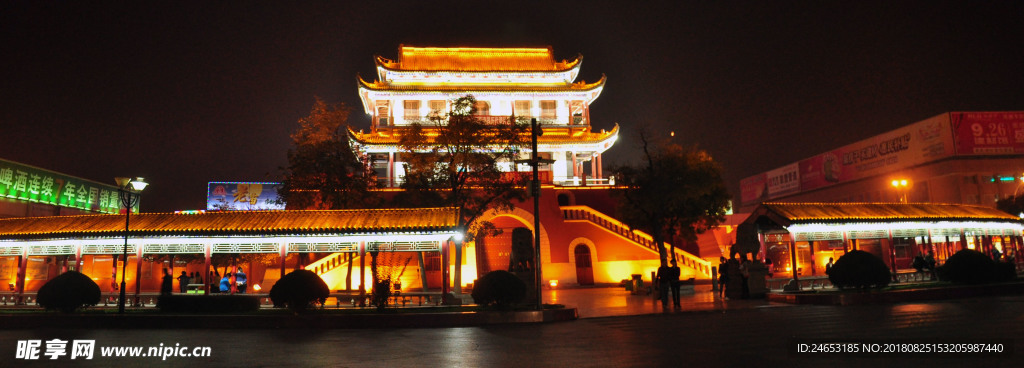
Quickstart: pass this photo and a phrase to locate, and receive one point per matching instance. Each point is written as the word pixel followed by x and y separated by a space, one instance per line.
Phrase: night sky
pixel 184 93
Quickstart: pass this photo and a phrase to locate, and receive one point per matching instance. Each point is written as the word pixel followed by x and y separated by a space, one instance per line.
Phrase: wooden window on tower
pixel 438 108
pixel 383 113
pixel 482 108
pixel 576 110
pixel 547 109
pixel 523 108
pixel 412 109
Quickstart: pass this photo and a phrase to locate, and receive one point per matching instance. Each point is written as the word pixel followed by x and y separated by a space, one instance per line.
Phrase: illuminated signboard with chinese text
pixel 242 196
pixel 32 184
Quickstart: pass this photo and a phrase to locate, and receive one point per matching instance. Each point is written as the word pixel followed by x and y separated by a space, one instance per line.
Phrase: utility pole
pixel 534 189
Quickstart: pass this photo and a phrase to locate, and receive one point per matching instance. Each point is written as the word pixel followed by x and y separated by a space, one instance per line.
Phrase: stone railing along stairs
pixel 587 214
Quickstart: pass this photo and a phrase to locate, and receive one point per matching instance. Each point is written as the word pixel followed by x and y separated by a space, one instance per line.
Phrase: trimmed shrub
pixel 499 288
pixel 224 303
pixel 971 267
pixel 298 290
pixel 859 269
pixel 68 292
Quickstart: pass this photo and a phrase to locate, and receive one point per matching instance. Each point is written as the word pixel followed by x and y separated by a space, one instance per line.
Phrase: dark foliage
pixel 973 267
pixel 859 269
pixel 499 288
pixel 68 292
pixel 381 293
pixel 674 195
pixel 298 290
pixel 208 303
pixel 324 171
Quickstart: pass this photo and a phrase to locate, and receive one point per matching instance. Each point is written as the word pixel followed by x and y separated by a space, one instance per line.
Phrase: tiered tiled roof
pixel 511 87
pixel 476 59
pixel 555 135
pixel 363 221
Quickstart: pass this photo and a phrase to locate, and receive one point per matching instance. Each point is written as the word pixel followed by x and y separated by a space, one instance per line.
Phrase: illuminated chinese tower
pixel 521 82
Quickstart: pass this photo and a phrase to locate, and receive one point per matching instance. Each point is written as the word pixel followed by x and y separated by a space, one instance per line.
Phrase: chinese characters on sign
pixel 27 183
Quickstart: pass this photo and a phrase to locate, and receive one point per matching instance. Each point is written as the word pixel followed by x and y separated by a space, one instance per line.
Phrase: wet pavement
pixel 759 335
pixel 616 301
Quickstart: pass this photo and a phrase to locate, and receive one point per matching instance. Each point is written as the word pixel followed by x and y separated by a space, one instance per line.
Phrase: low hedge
pixel 298 290
pixel 208 303
pixel 859 269
pixel 973 267
pixel 68 292
pixel 499 288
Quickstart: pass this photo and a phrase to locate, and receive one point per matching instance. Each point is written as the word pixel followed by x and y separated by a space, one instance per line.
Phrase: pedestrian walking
pixel 168 283
pixel 663 284
pixel 673 280
pixel 723 276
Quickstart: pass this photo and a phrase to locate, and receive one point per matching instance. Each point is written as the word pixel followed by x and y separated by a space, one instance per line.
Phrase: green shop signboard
pixel 32 184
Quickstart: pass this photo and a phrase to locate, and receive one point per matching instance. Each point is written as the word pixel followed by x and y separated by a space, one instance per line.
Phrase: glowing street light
pixel 130 191
pixel 901 186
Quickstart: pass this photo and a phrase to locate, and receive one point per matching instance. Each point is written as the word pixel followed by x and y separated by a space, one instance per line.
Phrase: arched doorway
pixel 584 267
pixel 563 199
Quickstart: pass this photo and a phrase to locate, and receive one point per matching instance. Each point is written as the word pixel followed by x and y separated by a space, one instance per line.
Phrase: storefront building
pixel 808 234
pixel 974 158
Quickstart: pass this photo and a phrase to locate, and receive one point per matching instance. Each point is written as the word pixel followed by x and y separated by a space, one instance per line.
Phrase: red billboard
pixel 988 133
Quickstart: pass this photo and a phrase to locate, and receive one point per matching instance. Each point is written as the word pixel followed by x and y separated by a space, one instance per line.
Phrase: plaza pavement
pixel 610 301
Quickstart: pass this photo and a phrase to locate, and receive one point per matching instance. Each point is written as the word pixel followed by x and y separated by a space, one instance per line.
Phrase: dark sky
pixel 189 92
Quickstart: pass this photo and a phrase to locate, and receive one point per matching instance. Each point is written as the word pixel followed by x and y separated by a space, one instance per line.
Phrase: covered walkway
pixel 33 250
pixel 800 238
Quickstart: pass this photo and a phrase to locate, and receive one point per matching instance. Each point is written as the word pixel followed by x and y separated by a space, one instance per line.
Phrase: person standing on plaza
pixel 240 280
pixel 197 279
pixel 183 282
pixel 673 280
pixel 723 276
pixel 225 283
pixel 828 266
pixel 168 283
pixel 214 280
pixel 919 266
pixel 663 284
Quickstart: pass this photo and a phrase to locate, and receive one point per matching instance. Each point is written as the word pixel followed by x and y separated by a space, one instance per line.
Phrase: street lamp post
pixel 129 190
pixel 901 186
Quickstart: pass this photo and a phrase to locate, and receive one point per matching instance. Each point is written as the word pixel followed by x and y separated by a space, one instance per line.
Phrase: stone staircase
pixel 642 239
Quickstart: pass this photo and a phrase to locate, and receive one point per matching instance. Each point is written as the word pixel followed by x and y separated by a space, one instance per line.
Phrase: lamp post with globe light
pixel 130 190
pixel 902 186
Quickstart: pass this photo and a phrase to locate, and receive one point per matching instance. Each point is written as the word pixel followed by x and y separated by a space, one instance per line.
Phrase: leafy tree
pixel 324 172
pixel 1012 205
pixel 676 192
pixel 456 160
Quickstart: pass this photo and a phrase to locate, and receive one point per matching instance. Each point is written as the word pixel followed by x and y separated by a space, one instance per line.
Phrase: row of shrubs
pixel 860 269
pixel 297 291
